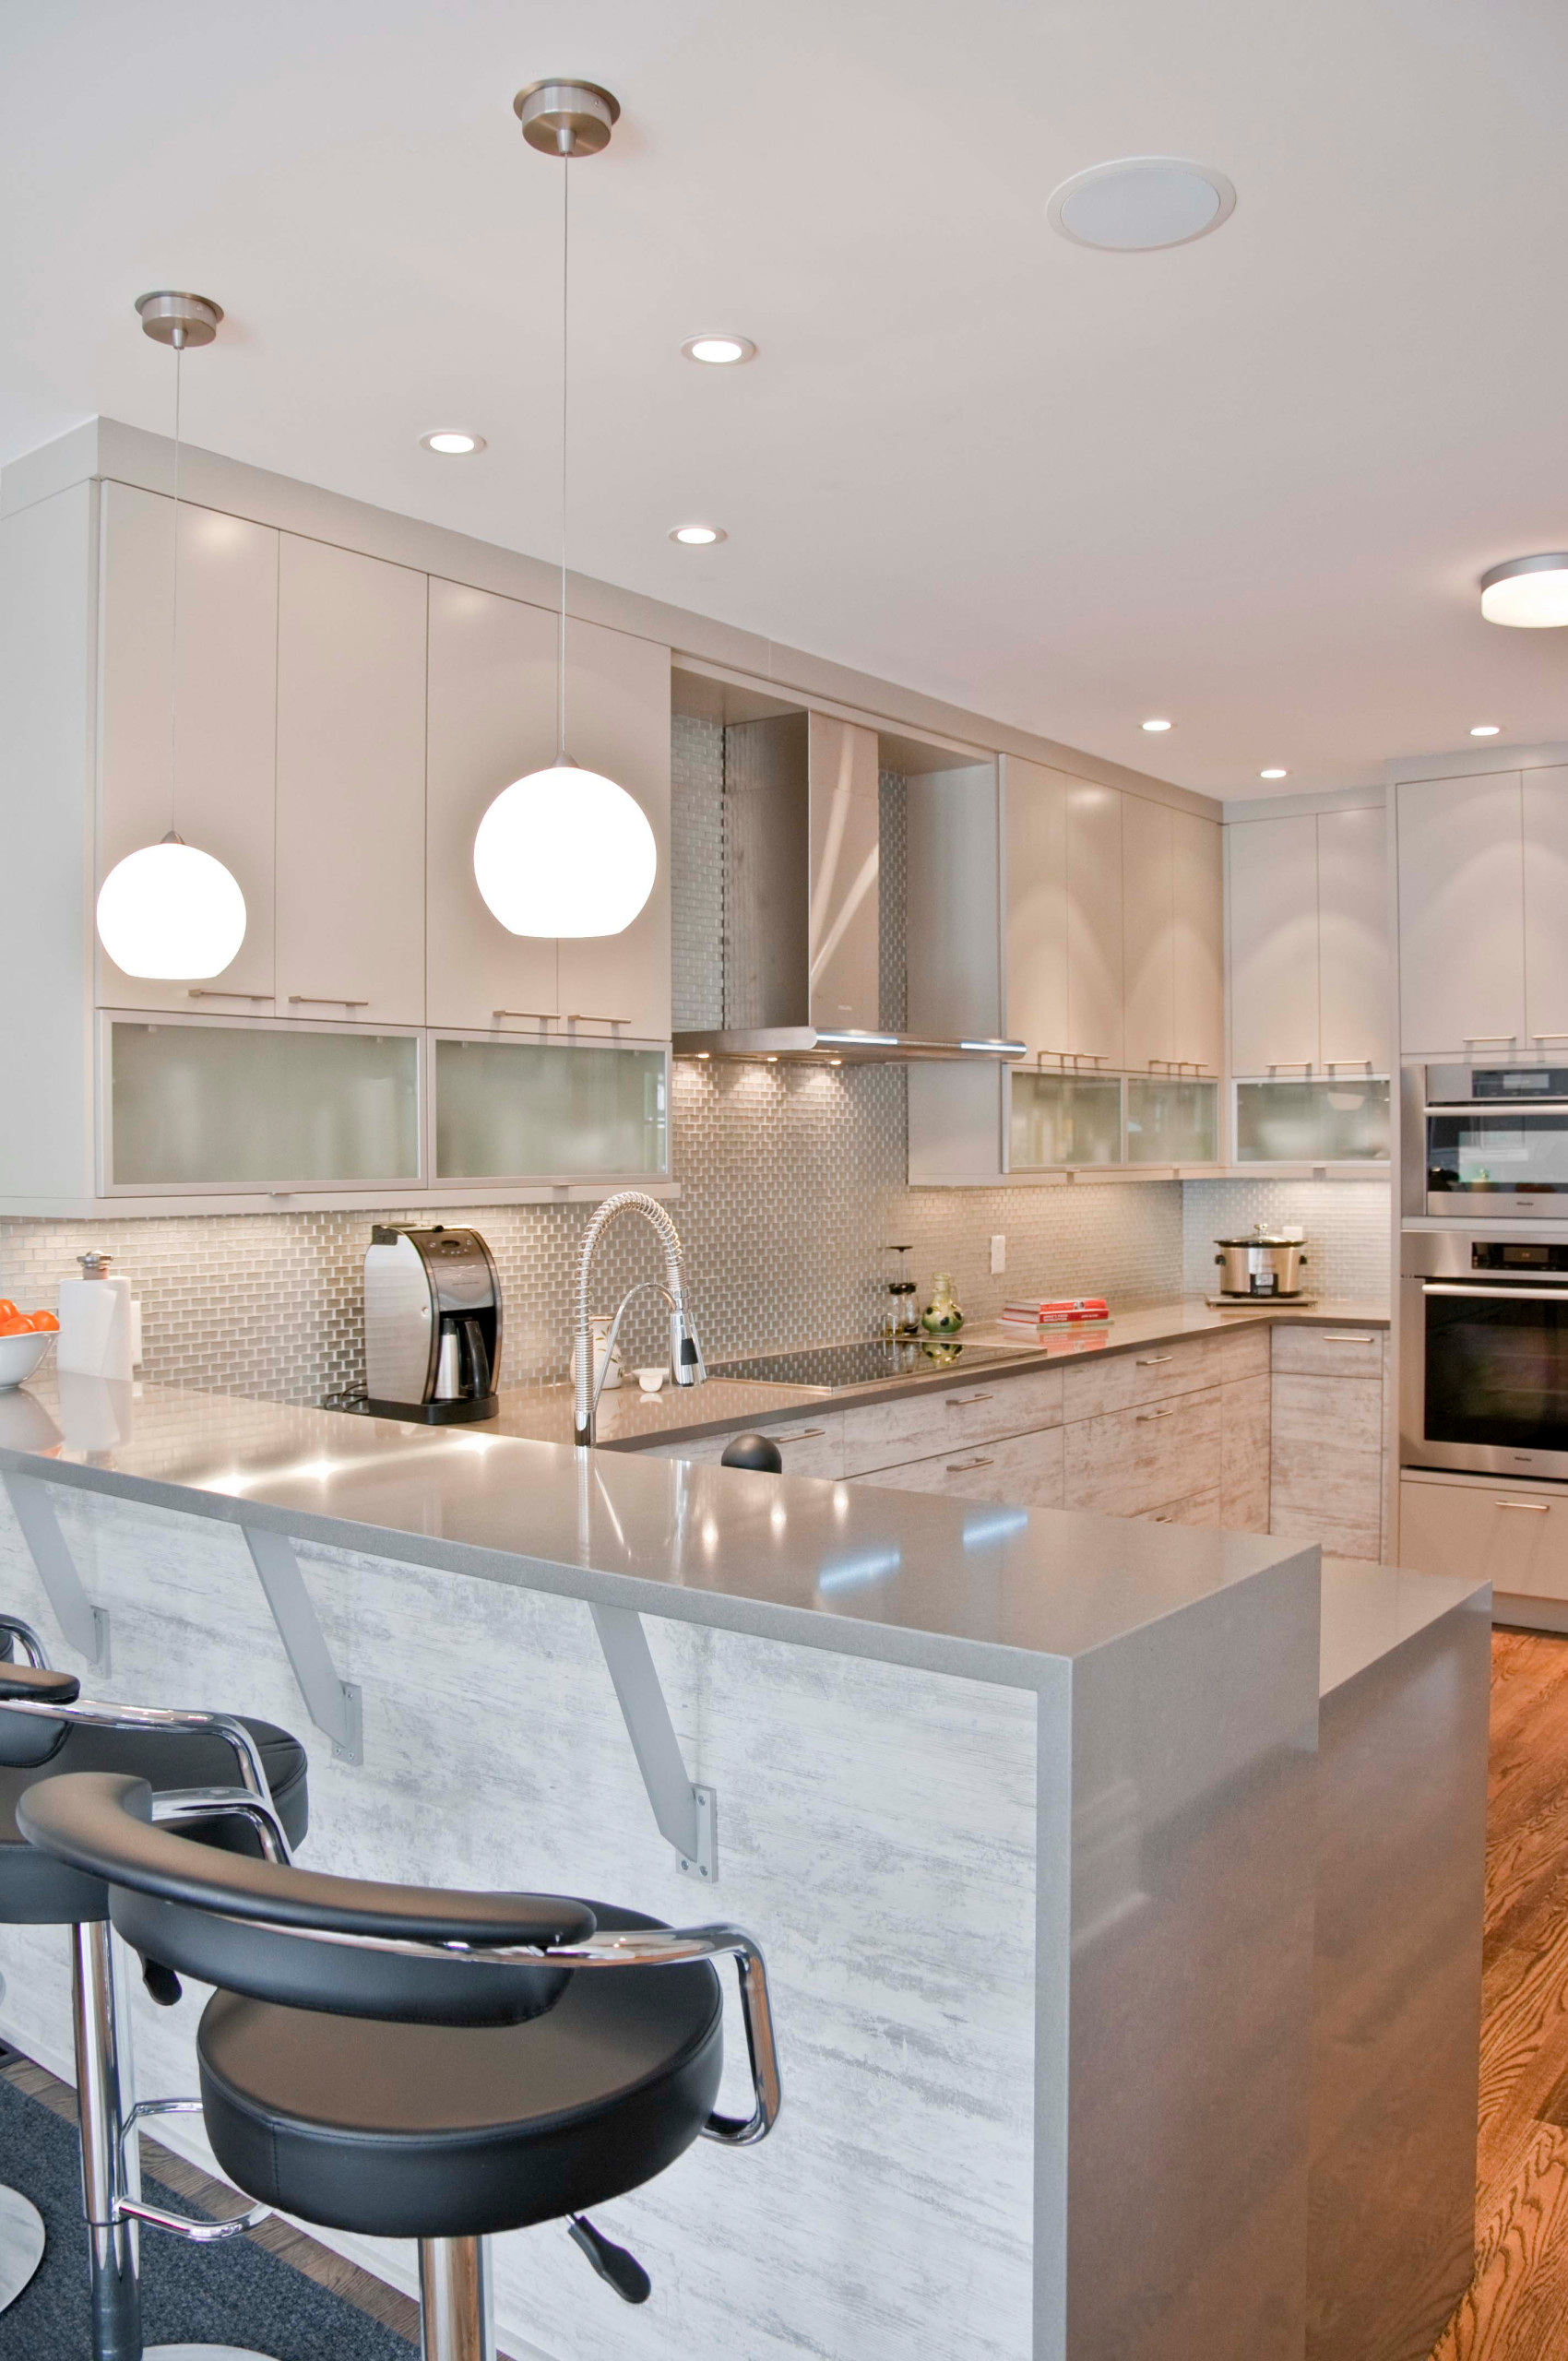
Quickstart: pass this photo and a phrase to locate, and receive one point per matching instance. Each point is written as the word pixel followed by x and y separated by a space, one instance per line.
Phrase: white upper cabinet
pixel 1354 985
pixel 1094 922
pixel 492 720
pixel 351 787
pixel 1198 863
pixel 1309 942
pixel 1173 933
pixel 1462 911
pixel 1036 902
pixel 222 746
pixel 1544 811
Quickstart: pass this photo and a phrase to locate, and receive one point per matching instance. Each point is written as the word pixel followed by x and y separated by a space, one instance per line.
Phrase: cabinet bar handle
pixel 1146 1415
pixel 1284 1065
pixel 1488 1037
pixel 962 1466
pixel 1153 1360
pixel 541 1015
pixel 202 992
pixel 962 1401
pixel 1338 1336
pixel 1334 1064
pixel 324 1000
pixel 1529 1508
pixel 1550 1036
pixel 581 1016
pixel 801 1434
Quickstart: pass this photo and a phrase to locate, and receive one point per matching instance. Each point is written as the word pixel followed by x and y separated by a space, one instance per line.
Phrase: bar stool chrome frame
pixel 108 2116
pixel 22 2224
pixel 240 1925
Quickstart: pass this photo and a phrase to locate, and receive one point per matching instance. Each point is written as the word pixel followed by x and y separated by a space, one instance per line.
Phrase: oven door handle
pixel 1497 1295
pixel 1510 1106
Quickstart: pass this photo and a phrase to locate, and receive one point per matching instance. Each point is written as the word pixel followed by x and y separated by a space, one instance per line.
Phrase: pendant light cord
pixel 565 281
pixel 179 341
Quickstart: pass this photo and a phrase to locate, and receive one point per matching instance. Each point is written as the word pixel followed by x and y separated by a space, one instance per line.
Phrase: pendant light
pixel 564 851
pixel 170 911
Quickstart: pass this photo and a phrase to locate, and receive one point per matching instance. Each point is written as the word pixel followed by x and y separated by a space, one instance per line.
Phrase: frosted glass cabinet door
pixel 1461 915
pixel 520 1110
pixel 254 1107
pixel 1353 989
pixel 1274 944
pixel 225 717
pixel 351 787
pixel 1034 808
pixel 1546 908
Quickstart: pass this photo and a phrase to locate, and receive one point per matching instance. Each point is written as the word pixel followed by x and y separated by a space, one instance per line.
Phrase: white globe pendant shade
pixel 564 851
pixel 171 912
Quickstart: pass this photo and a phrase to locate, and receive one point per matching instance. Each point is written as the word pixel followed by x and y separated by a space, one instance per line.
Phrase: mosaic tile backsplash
pixel 1346 1222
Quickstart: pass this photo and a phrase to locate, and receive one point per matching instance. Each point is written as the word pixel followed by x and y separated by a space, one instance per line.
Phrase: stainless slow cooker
pixel 1261 1263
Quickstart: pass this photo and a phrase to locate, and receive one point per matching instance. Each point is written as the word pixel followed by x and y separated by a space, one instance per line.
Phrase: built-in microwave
pixel 1488 1141
pixel 1483 1353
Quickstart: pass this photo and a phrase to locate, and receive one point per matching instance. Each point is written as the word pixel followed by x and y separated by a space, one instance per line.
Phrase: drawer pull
pixel 1335 1336
pixel 1146 1415
pixel 1153 1360
pixel 801 1434
pixel 962 1401
pixel 324 1000
pixel 962 1466
pixel 1162 1520
pixel 1529 1508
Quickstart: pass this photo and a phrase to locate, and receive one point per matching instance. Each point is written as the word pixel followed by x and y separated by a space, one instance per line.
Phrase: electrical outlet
pixel 998 1255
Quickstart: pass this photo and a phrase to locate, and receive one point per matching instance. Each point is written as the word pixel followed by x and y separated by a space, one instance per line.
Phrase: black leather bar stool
pixel 242 1788
pixel 411 2062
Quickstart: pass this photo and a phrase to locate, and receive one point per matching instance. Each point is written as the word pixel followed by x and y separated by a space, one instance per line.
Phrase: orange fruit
pixel 45 1321
pixel 15 1325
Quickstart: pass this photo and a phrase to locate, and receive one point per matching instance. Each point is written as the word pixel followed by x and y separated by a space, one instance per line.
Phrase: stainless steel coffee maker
pixel 431 1326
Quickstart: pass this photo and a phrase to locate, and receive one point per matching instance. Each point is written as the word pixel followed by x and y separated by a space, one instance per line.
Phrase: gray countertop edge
pixel 996 1662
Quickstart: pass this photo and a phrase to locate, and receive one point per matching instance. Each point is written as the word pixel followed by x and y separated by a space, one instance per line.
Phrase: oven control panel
pixel 1520 1256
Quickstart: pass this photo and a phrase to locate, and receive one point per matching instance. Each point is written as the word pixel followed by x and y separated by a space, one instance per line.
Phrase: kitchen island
pixel 1019 1801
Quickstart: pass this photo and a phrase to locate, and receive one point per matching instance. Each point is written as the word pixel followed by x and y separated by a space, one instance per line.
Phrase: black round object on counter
pixel 756 1451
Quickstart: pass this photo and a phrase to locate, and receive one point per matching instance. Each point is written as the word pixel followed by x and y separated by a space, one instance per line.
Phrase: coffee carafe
pixel 431 1326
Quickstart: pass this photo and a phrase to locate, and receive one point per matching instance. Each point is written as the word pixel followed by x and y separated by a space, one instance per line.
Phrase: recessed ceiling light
pixel 1274 774
pixel 1531 593
pixel 719 351
pixel 1140 203
pixel 1157 725
pixel 698 537
pixel 1486 730
pixel 452 443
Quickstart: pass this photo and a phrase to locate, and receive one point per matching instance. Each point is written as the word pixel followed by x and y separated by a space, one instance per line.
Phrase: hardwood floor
pixel 1517 2307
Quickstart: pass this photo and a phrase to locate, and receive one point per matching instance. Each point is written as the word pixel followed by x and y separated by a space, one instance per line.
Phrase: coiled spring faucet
pixel 685 1353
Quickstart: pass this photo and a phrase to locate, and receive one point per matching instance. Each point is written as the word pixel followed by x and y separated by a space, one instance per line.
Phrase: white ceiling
pixel 1249 483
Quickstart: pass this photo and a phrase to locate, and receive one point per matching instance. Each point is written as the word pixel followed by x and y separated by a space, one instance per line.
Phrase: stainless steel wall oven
pixel 1486 1141
pixel 1483 1332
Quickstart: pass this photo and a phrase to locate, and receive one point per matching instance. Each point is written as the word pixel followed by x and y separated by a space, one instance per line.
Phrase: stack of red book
pixel 1059 1312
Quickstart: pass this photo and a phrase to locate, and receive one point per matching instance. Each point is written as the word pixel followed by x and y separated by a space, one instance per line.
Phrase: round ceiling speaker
pixel 1141 203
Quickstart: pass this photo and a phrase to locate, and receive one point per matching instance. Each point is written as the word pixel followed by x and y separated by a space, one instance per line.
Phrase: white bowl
pixel 650 1380
pixel 19 1356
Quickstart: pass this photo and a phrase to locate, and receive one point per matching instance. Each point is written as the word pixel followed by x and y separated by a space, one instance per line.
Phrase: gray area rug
pixel 233 2294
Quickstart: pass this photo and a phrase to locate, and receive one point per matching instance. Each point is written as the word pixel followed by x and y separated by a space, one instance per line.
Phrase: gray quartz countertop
pixel 631 1420
pixel 981 1589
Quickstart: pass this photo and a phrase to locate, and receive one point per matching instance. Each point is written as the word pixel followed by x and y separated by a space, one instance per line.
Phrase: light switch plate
pixel 998 1254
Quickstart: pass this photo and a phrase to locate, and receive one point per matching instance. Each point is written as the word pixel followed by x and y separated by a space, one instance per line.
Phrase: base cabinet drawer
pixel 1115 1382
pixel 891 1434
pixel 1330 1352
pixel 1130 1463
pixel 1025 1471
pixel 1515 1540
pixel 1198 1508
pixel 808 1446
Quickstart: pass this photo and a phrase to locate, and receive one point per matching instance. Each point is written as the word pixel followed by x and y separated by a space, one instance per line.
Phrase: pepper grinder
pixel 903 1319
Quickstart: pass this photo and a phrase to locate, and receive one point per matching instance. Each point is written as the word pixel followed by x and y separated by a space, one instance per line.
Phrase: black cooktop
pixel 833 1366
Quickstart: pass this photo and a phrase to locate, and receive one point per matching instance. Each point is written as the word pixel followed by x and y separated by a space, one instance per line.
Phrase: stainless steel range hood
pixel 836 948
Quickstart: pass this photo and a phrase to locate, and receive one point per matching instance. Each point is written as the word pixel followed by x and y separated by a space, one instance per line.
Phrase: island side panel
pixel 1190 1979
pixel 876 1832
pixel 1401 1888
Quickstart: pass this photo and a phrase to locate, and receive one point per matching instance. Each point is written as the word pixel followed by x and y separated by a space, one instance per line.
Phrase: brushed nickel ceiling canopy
pixel 182 320
pixel 564 117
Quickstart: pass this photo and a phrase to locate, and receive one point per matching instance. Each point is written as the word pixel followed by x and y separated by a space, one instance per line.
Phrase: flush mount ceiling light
pixel 452 442
pixel 564 851
pixel 168 910
pixel 1155 724
pixel 1141 203
pixel 1487 730
pixel 698 537
pixel 1530 593
pixel 1274 774
pixel 719 351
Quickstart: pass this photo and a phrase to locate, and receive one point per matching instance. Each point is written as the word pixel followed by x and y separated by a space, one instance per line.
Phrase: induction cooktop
pixel 831 1366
